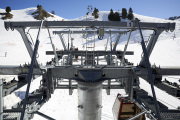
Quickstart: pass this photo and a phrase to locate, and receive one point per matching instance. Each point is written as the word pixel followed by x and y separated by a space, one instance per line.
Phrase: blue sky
pixel 70 9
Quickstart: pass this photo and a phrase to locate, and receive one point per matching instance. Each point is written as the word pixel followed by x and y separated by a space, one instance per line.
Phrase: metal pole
pixel 89 101
pixel 1 99
pixel 81 59
pixel 70 87
pixel 138 115
pixel 117 41
pixel 111 48
pixel 53 47
pixel 68 49
pixel 62 41
pixel 149 71
pixel 45 116
pixel 97 58
pixel 106 44
pixel 30 73
pixel 125 48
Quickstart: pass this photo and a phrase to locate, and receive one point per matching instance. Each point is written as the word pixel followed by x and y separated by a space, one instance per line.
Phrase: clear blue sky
pixel 70 9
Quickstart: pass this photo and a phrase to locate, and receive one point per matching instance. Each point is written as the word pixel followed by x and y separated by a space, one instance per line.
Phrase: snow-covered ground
pixel 61 106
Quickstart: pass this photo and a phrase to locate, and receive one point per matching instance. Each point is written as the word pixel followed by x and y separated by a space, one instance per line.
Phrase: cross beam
pixel 90 74
pixel 89 32
pixel 17 70
pixel 96 53
pixel 79 24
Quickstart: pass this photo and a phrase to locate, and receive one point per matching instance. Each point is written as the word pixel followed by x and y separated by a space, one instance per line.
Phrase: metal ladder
pixel 90 48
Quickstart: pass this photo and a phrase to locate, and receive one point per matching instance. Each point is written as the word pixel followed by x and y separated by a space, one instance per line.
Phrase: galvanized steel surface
pixel 89 101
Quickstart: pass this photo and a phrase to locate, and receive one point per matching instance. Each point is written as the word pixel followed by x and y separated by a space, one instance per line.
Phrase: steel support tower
pixel 90 80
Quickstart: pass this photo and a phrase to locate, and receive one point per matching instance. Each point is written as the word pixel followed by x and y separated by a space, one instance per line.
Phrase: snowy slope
pixel 61 105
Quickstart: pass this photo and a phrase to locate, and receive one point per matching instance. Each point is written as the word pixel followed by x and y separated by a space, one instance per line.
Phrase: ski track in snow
pixel 61 106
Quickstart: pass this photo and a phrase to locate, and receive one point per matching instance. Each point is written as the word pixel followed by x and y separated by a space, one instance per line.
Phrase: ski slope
pixel 61 106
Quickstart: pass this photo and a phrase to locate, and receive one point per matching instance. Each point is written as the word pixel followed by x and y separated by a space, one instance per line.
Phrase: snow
pixel 168 100
pixel 63 106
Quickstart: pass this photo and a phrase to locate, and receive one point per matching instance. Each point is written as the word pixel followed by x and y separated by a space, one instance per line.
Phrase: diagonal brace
pixel 149 71
pixel 45 116
pixel 30 73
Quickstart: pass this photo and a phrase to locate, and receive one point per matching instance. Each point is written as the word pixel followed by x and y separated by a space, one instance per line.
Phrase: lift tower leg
pixel 89 101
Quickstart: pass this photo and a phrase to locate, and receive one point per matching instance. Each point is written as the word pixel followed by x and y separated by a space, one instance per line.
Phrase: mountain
pixel 61 105
pixel 174 18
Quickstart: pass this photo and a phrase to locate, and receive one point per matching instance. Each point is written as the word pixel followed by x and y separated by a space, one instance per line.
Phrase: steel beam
pixel 30 73
pixel 90 74
pixel 150 75
pixel 125 48
pixel 96 53
pixel 17 70
pixel 45 116
pixel 80 24
pixel 103 87
pixel 164 70
pixel 53 47
pixel 117 41
pixel 167 70
pixel 62 41
pixel 88 32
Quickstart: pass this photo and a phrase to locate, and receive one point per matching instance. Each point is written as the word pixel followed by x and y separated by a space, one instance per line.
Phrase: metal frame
pixel 80 24
pixel 126 75
pixel 60 33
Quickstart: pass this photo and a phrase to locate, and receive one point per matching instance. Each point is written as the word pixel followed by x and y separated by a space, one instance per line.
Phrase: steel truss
pixel 87 79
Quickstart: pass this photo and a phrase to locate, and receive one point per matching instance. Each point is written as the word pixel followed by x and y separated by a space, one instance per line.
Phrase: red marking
pixel 9 43
pixel 120 108
pixel 118 94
